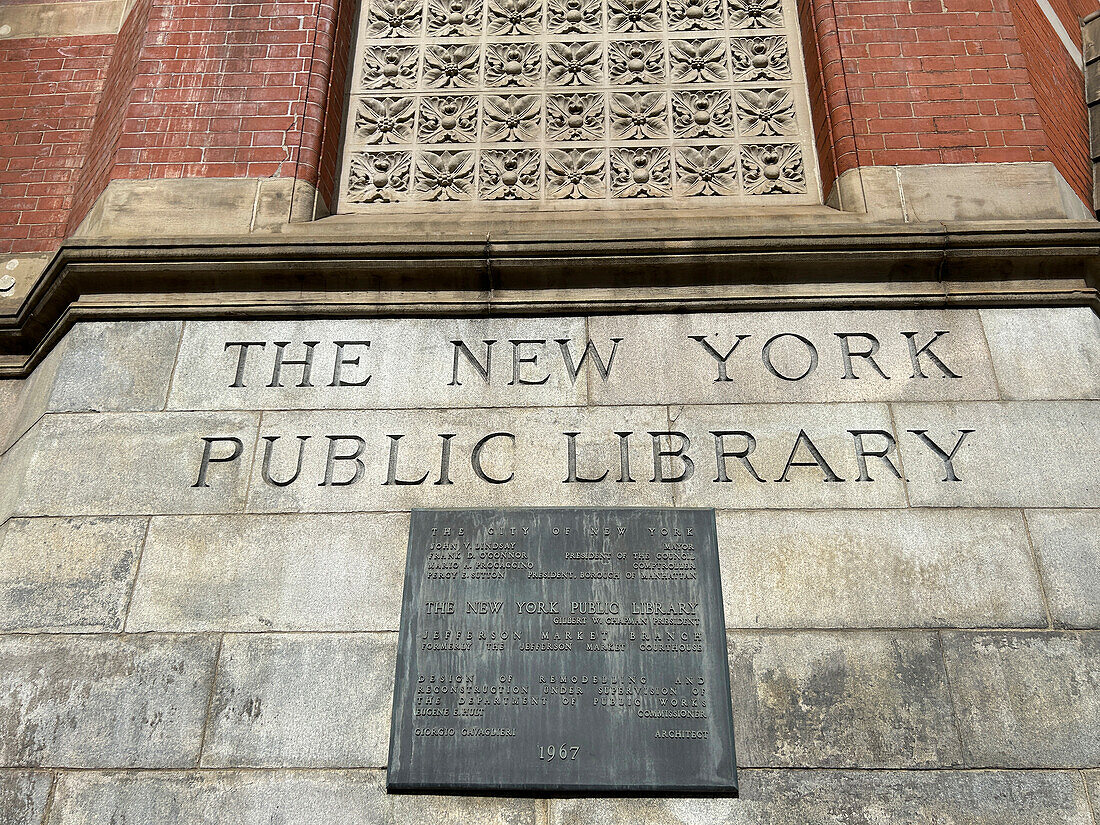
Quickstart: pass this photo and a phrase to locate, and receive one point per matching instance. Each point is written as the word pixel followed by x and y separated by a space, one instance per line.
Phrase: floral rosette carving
pixel 575 173
pixel 445 176
pixel 698 61
pixel 378 177
pixel 641 173
pixel 449 119
pixel 773 169
pixel 766 112
pixel 694 15
pixel 574 16
pixel 574 64
pixel 511 118
pixel 634 15
pixel 707 170
pixel 574 117
pixel 638 116
pixel 510 174
pixel 756 14
pixel 760 58
pixel 451 66
pixel 454 17
pixel 513 64
pixel 513 17
pixel 702 114
pixel 394 18
pixel 385 119
pixel 389 67
pixel 636 61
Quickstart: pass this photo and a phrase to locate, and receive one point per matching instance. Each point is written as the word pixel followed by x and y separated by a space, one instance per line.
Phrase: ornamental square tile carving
pixel 766 112
pixel 641 173
pixel 385 119
pixel 448 119
pixel 636 62
pixel 698 61
pixel 576 173
pixel 535 101
pixel 451 66
pixel 394 18
pixel 760 58
pixel 694 15
pixel 706 170
pixel 390 67
pixel 510 174
pixel 445 176
pixel 633 16
pixel 574 16
pixel 702 114
pixel 515 17
pixel 755 14
pixel 775 168
pixel 513 64
pixel 575 117
pixel 574 64
pixel 379 177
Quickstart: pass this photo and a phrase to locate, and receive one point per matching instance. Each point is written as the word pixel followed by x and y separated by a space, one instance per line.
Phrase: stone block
pixel 23 796
pixel 778 434
pixel 533 455
pixel 67 573
pixel 1067 545
pixel 302 700
pixel 266 797
pixel 1026 700
pixel 250 573
pixel 878 568
pixel 1045 352
pixel 32 401
pixel 11 393
pixel 72 19
pixel 841 700
pixel 122 366
pixel 13 470
pixel 411 363
pixel 825 797
pixel 90 701
pixel 136 463
pixel 1019 454
pixel 742 357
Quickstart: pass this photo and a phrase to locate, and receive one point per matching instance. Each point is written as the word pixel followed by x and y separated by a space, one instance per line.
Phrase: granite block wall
pixel 203 526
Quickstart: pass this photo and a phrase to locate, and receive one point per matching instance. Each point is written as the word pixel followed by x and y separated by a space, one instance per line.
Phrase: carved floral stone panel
pixel 577 100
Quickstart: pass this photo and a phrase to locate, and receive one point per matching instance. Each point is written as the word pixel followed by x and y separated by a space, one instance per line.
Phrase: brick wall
pixel 48 95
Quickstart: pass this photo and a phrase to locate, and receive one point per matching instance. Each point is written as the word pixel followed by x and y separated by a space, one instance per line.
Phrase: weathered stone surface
pixel 857 798
pixel 851 700
pixel 134 463
pixel 67 573
pixel 76 19
pixel 11 392
pixel 308 700
pixel 1020 454
pixel 1026 700
pixel 28 404
pixel 775 429
pixel 659 361
pixel 103 702
pixel 411 363
pixel 1045 352
pixel 537 460
pixel 23 796
pixel 878 568
pixel 266 797
pixel 271 573
pixel 122 366
pixel 13 470
pixel 1068 547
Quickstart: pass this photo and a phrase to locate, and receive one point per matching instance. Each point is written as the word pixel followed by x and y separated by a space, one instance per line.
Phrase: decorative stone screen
pixel 567 100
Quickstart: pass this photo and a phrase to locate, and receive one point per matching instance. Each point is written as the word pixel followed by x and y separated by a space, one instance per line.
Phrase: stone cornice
pixel 793 267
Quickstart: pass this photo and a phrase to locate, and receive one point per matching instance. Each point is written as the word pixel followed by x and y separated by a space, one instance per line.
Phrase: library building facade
pixel 550 412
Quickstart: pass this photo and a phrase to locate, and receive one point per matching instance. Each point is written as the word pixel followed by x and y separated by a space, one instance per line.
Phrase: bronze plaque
pixel 572 650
